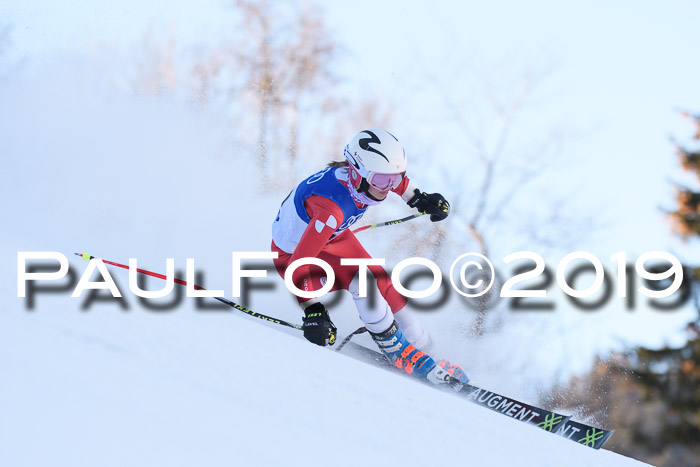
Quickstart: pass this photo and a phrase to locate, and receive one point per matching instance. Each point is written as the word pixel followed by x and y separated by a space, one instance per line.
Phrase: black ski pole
pixel 382 224
pixel 228 302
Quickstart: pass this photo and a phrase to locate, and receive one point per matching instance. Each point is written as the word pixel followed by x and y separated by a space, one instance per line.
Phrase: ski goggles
pixel 383 182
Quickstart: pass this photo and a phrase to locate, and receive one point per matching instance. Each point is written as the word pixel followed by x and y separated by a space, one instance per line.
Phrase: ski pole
pixel 228 302
pixel 382 224
pixel 350 336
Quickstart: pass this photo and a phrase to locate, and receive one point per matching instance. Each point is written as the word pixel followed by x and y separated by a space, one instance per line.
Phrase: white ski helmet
pixel 376 158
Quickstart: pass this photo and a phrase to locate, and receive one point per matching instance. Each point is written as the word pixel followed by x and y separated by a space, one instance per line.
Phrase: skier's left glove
pixel 434 204
pixel 318 327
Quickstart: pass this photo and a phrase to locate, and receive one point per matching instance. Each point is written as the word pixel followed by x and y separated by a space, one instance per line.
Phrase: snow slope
pixel 125 177
pixel 113 389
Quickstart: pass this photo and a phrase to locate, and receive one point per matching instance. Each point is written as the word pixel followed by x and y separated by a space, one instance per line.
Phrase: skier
pixel 314 220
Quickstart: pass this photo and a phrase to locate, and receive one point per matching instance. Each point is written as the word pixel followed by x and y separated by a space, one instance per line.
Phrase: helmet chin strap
pixel 363 196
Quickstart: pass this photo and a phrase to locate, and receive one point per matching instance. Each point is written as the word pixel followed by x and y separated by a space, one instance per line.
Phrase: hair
pixel 338 163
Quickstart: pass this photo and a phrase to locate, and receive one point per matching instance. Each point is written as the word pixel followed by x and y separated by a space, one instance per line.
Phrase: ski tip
pixel 84 255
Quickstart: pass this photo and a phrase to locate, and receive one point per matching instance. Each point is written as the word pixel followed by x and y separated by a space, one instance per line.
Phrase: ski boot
pixel 455 371
pixel 405 356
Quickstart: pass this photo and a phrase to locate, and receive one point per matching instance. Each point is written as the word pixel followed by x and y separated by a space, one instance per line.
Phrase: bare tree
pixel 488 114
pixel 272 74
pixel 155 70
pixel 307 61
pixel 284 56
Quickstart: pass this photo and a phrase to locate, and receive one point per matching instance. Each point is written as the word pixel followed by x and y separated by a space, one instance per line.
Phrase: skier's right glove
pixel 318 327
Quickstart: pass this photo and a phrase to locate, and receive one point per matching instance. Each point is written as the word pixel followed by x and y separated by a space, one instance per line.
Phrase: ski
pixel 587 435
pixel 546 419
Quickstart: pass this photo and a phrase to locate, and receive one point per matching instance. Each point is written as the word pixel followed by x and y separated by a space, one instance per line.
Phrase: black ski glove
pixel 318 327
pixel 434 204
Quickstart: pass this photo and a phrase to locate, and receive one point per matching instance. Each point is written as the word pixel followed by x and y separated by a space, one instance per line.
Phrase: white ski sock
pixel 412 329
pixel 378 318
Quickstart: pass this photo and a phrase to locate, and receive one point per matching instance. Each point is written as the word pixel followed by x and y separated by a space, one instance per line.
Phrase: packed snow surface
pixel 137 389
